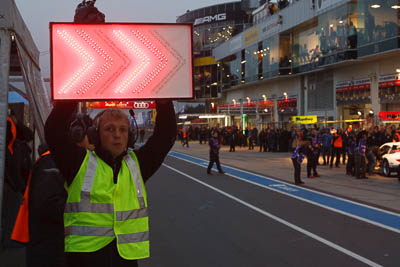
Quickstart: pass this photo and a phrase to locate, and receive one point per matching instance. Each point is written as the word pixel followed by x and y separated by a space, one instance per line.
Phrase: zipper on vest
pixel 115 175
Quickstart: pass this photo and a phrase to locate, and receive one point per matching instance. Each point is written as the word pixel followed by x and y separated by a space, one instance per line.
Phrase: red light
pixel 121 61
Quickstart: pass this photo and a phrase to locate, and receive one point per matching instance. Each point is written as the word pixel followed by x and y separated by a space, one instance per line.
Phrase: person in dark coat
pixel 262 139
pixel 360 156
pixel 47 198
pixel 351 146
pixel 297 158
pixel 232 139
pixel 214 152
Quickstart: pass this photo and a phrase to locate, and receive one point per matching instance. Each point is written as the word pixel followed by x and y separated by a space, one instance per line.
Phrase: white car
pixel 389 156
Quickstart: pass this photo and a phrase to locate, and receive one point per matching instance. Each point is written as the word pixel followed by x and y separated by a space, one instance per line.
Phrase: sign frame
pixel 190 25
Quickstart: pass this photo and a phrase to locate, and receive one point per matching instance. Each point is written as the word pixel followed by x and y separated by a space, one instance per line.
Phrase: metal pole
pixel 241 113
pixel 5 49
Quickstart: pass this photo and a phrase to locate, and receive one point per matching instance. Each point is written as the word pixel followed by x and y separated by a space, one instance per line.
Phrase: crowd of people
pixel 356 147
pixel 268 140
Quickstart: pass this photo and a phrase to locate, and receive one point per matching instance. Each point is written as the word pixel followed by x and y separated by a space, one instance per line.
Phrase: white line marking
pixel 288 224
pixel 306 200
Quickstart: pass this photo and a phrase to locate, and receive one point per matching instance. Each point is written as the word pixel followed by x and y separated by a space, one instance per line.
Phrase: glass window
pixel 209 36
pixel 306 48
pixel 333 29
pixel 251 61
pixel 231 69
pixel 270 55
pixel 377 20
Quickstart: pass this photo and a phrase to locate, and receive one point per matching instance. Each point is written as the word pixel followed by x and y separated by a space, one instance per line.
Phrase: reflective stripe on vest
pixel 86 206
pixel 89 230
pixel 133 238
pixel 136 180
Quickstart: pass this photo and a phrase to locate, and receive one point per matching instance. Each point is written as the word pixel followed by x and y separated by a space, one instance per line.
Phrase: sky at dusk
pixel 37 15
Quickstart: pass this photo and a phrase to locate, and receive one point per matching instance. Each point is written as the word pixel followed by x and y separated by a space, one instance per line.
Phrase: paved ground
pixel 378 191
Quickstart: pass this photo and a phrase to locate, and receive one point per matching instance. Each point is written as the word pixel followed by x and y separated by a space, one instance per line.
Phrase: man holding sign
pixel 106 216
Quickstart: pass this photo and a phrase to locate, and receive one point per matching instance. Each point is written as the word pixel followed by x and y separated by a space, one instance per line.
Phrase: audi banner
pixel 123 105
pixel 116 61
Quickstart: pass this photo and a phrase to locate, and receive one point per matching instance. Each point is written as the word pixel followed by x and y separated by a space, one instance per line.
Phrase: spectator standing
pixel 261 138
pixel 326 145
pixel 370 153
pixel 360 156
pixel 185 139
pixel 312 153
pixel 351 146
pixel 337 144
pixel 297 158
pixel 214 152
pixel 47 198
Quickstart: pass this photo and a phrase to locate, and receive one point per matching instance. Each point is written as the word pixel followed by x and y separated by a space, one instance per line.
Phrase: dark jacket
pixel 214 146
pixel 68 157
pixel 47 198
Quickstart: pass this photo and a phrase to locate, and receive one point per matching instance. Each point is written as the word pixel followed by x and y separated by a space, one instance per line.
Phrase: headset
pixel 78 127
pixel 93 131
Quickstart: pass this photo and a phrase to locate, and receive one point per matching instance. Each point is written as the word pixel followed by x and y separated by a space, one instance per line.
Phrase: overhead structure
pixel 19 56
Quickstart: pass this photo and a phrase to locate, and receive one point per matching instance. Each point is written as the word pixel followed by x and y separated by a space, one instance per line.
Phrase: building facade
pixel 336 59
pixel 212 26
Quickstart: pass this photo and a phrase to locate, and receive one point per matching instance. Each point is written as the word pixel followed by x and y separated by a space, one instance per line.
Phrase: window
pixel 251 61
pixel 333 30
pixel 377 20
pixel 306 48
pixel 270 55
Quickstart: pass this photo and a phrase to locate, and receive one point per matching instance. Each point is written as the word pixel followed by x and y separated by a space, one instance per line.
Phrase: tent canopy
pixel 19 56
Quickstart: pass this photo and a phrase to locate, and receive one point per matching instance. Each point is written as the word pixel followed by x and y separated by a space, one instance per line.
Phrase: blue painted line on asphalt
pixel 369 213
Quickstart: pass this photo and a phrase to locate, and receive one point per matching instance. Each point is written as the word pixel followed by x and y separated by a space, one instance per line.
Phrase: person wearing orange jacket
pixel 337 146
pixel 17 167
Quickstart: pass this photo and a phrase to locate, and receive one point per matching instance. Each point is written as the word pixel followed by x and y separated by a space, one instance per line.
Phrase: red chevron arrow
pixel 115 62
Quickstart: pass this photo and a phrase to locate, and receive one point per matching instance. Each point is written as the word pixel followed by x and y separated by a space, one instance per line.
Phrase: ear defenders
pixel 94 136
pixel 78 127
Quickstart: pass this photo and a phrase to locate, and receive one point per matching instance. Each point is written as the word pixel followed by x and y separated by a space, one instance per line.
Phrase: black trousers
pixel 312 164
pixel 105 257
pixel 360 165
pixel 232 146
pixel 214 158
pixel 336 152
pixel 297 171
pixel 350 164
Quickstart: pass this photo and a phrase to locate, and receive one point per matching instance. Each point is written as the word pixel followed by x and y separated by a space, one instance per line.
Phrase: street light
pixel 359 113
pixel 265 98
pixel 371 112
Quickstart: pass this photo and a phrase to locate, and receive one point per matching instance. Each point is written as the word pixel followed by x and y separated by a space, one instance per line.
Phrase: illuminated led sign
pixel 121 61
pixel 123 105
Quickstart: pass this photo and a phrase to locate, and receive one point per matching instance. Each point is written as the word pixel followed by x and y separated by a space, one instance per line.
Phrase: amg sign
pixel 208 19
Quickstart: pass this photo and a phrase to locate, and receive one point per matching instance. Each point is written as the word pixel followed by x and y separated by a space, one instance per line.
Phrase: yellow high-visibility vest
pixel 98 211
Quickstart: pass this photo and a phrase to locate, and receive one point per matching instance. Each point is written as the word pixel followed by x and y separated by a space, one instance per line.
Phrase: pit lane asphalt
pixel 194 225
